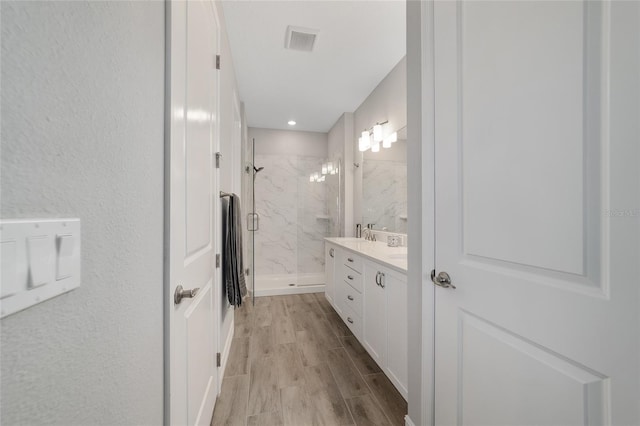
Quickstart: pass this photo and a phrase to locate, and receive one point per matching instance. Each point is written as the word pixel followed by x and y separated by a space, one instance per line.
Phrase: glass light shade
pixel 330 168
pixel 377 133
pixel 366 139
pixel 310 178
pixel 324 169
pixel 393 137
pixel 362 146
pixel 386 143
pixel 375 147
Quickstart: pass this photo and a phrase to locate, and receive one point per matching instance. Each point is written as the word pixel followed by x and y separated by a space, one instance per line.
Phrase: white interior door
pixel 192 183
pixel 537 212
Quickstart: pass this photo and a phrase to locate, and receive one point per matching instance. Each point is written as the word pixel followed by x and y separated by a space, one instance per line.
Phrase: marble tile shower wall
pixel 384 194
pixel 333 204
pixel 290 238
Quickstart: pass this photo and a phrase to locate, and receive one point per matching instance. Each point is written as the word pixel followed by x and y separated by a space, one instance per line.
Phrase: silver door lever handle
pixel 442 280
pixel 181 293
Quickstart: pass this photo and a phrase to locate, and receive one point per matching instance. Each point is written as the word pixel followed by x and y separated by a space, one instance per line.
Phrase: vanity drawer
pixel 353 321
pixel 350 298
pixel 352 261
pixel 352 277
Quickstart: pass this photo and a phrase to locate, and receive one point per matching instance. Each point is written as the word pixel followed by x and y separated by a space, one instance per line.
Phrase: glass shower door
pixel 251 222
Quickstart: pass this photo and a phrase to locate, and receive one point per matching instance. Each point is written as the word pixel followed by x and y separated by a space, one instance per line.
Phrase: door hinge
pixel 217 62
pixel 218 157
pixel 218 360
pixel 217 260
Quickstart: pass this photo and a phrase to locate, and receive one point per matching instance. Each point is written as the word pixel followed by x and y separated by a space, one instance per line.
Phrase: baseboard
pixel 226 350
pixel 407 421
pixel 290 290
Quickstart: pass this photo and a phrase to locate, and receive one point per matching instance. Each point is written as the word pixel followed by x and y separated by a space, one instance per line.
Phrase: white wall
pixel 271 141
pixel 388 101
pixel 82 136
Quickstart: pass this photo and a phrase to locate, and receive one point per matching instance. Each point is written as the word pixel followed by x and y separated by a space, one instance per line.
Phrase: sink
pixel 399 256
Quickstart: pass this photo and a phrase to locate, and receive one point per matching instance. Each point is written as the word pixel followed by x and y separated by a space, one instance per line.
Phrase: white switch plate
pixel 40 259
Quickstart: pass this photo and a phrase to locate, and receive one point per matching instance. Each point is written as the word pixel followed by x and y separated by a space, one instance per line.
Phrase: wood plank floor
pixel 293 362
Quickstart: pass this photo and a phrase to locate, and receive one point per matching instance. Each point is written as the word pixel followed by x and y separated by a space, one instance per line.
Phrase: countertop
pixel 377 251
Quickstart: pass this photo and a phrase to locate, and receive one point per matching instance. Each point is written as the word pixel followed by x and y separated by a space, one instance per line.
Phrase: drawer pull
pixel 350 320
pixel 350 277
pixel 331 252
pixel 350 259
pixel 350 297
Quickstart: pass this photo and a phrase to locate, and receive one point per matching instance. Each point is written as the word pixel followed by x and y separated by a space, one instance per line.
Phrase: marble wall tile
pixel 291 235
pixel 384 194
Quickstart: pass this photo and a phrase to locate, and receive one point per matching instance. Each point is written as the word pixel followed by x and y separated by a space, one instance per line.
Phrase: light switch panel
pixel 40 251
pixel 9 284
pixel 40 260
pixel 65 245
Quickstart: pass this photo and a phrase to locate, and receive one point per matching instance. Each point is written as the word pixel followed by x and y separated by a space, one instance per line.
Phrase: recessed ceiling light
pixel 291 123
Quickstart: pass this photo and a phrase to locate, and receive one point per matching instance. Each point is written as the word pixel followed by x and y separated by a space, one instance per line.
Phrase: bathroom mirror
pixel 384 186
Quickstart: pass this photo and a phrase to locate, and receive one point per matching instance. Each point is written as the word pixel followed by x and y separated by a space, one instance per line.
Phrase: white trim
pixel 225 354
pixel 408 421
pixel 290 290
pixel 279 284
pixel 420 177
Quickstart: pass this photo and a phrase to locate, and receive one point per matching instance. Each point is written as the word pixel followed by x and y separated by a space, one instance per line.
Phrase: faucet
pixel 368 233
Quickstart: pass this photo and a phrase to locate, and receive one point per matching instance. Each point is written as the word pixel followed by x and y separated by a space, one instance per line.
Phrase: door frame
pixel 421 211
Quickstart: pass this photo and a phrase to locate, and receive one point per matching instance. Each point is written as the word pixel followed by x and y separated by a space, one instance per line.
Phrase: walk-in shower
pixel 289 214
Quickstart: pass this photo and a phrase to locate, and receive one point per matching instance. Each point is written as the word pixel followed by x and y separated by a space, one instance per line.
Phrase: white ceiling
pixel 358 44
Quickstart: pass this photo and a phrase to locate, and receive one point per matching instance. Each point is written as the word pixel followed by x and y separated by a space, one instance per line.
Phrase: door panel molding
pixel 482 239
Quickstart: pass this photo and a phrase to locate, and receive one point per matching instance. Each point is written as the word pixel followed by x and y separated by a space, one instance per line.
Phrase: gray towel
pixel 232 267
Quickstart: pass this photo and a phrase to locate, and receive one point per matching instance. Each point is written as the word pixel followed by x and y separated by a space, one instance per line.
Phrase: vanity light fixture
pixel 373 137
pixel 393 137
pixel 361 145
pixel 324 169
pixel 366 139
pixel 377 133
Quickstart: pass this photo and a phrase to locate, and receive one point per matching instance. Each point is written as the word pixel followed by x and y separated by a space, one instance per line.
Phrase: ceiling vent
pixel 299 38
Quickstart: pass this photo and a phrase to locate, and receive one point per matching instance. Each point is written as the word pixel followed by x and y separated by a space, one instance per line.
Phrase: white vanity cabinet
pixel 396 364
pixel 385 334
pixel 371 298
pixel 375 329
pixel 330 252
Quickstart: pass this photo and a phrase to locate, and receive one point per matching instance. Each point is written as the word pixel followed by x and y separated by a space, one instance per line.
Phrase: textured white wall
pixel 82 136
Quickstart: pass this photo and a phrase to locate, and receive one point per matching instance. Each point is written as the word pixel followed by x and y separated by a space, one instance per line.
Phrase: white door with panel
pixel 537 213
pixel 192 116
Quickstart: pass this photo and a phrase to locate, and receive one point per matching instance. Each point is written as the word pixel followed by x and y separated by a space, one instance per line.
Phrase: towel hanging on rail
pixel 232 265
